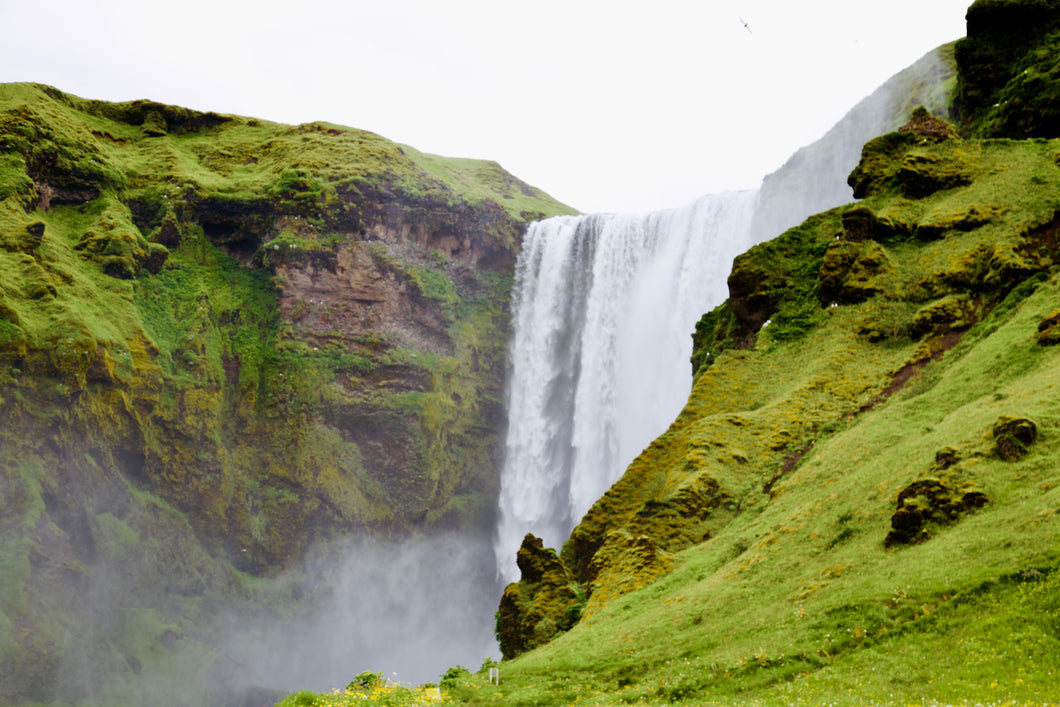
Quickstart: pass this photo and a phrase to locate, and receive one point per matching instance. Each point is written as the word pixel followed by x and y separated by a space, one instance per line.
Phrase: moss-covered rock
pixel 854 272
pixel 880 159
pixel 623 564
pixel 753 295
pixel 930 503
pixel 951 313
pixel 715 332
pixel 1005 69
pixel 928 127
pixel 1013 436
pixel 890 160
pixel 543 603
pixel 922 174
pixel 1049 329
pixel 776 281
pixel 861 224
pixel 25 240
pixel 968 220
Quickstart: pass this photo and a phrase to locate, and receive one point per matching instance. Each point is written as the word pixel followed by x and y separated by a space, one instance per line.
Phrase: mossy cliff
pixel 222 339
pixel 873 417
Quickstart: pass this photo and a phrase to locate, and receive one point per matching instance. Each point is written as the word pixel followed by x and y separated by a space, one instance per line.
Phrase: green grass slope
pixel 797 599
pixel 856 506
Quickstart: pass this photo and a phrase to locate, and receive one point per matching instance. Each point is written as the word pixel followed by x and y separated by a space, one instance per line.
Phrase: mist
pixel 408 610
pixel 138 632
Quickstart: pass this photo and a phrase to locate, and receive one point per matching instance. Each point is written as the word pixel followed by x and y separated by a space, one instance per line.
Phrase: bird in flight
pixel 745 25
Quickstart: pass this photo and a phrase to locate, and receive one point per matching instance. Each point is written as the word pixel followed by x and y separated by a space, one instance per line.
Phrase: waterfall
pixel 604 307
pixel 603 311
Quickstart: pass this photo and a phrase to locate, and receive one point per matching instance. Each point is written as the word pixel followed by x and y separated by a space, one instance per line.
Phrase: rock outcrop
pixel 228 339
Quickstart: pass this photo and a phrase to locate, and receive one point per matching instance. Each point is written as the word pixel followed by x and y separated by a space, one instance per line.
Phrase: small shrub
pixel 302 698
pixel 453 675
pixel 366 680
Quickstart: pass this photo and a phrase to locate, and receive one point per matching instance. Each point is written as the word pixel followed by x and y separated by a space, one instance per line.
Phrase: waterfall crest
pixel 604 307
pixel 603 310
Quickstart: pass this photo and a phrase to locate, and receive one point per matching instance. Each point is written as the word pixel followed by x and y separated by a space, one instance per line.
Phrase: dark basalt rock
pixel 1049 329
pixel 931 502
pixel 1013 436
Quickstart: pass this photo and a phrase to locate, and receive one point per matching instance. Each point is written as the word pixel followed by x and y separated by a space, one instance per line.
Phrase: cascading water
pixel 603 310
pixel 604 307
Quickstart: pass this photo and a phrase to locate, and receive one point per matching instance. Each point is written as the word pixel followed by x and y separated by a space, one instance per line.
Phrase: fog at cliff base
pixel 608 106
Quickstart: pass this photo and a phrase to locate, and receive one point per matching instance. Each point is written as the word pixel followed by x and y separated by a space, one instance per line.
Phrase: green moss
pixel 197 418
pixel 791 595
pixel 435 286
pixel 487 181
pixel 716 331
pixel 544 603
pixel 824 324
pixel 1007 63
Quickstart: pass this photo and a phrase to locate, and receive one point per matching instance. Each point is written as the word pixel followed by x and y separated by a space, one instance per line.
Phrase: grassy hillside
pixel 857 505
pixel 843 496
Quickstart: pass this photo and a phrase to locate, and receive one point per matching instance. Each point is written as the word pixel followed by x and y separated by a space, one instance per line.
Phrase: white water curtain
pixel 604 307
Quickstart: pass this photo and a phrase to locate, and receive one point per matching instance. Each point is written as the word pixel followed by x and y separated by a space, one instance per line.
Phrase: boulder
pixel 854 272
pixel 928 503
pixel 1049 329
pixel 1013 436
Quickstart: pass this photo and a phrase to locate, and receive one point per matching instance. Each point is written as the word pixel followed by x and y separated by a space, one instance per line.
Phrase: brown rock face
pixel 357 294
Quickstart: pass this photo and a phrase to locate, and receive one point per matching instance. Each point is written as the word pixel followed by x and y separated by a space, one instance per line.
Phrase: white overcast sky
pixel 608 106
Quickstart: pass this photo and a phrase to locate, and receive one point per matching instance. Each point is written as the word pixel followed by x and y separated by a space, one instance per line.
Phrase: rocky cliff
pixel 221 340
pixel 814 422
